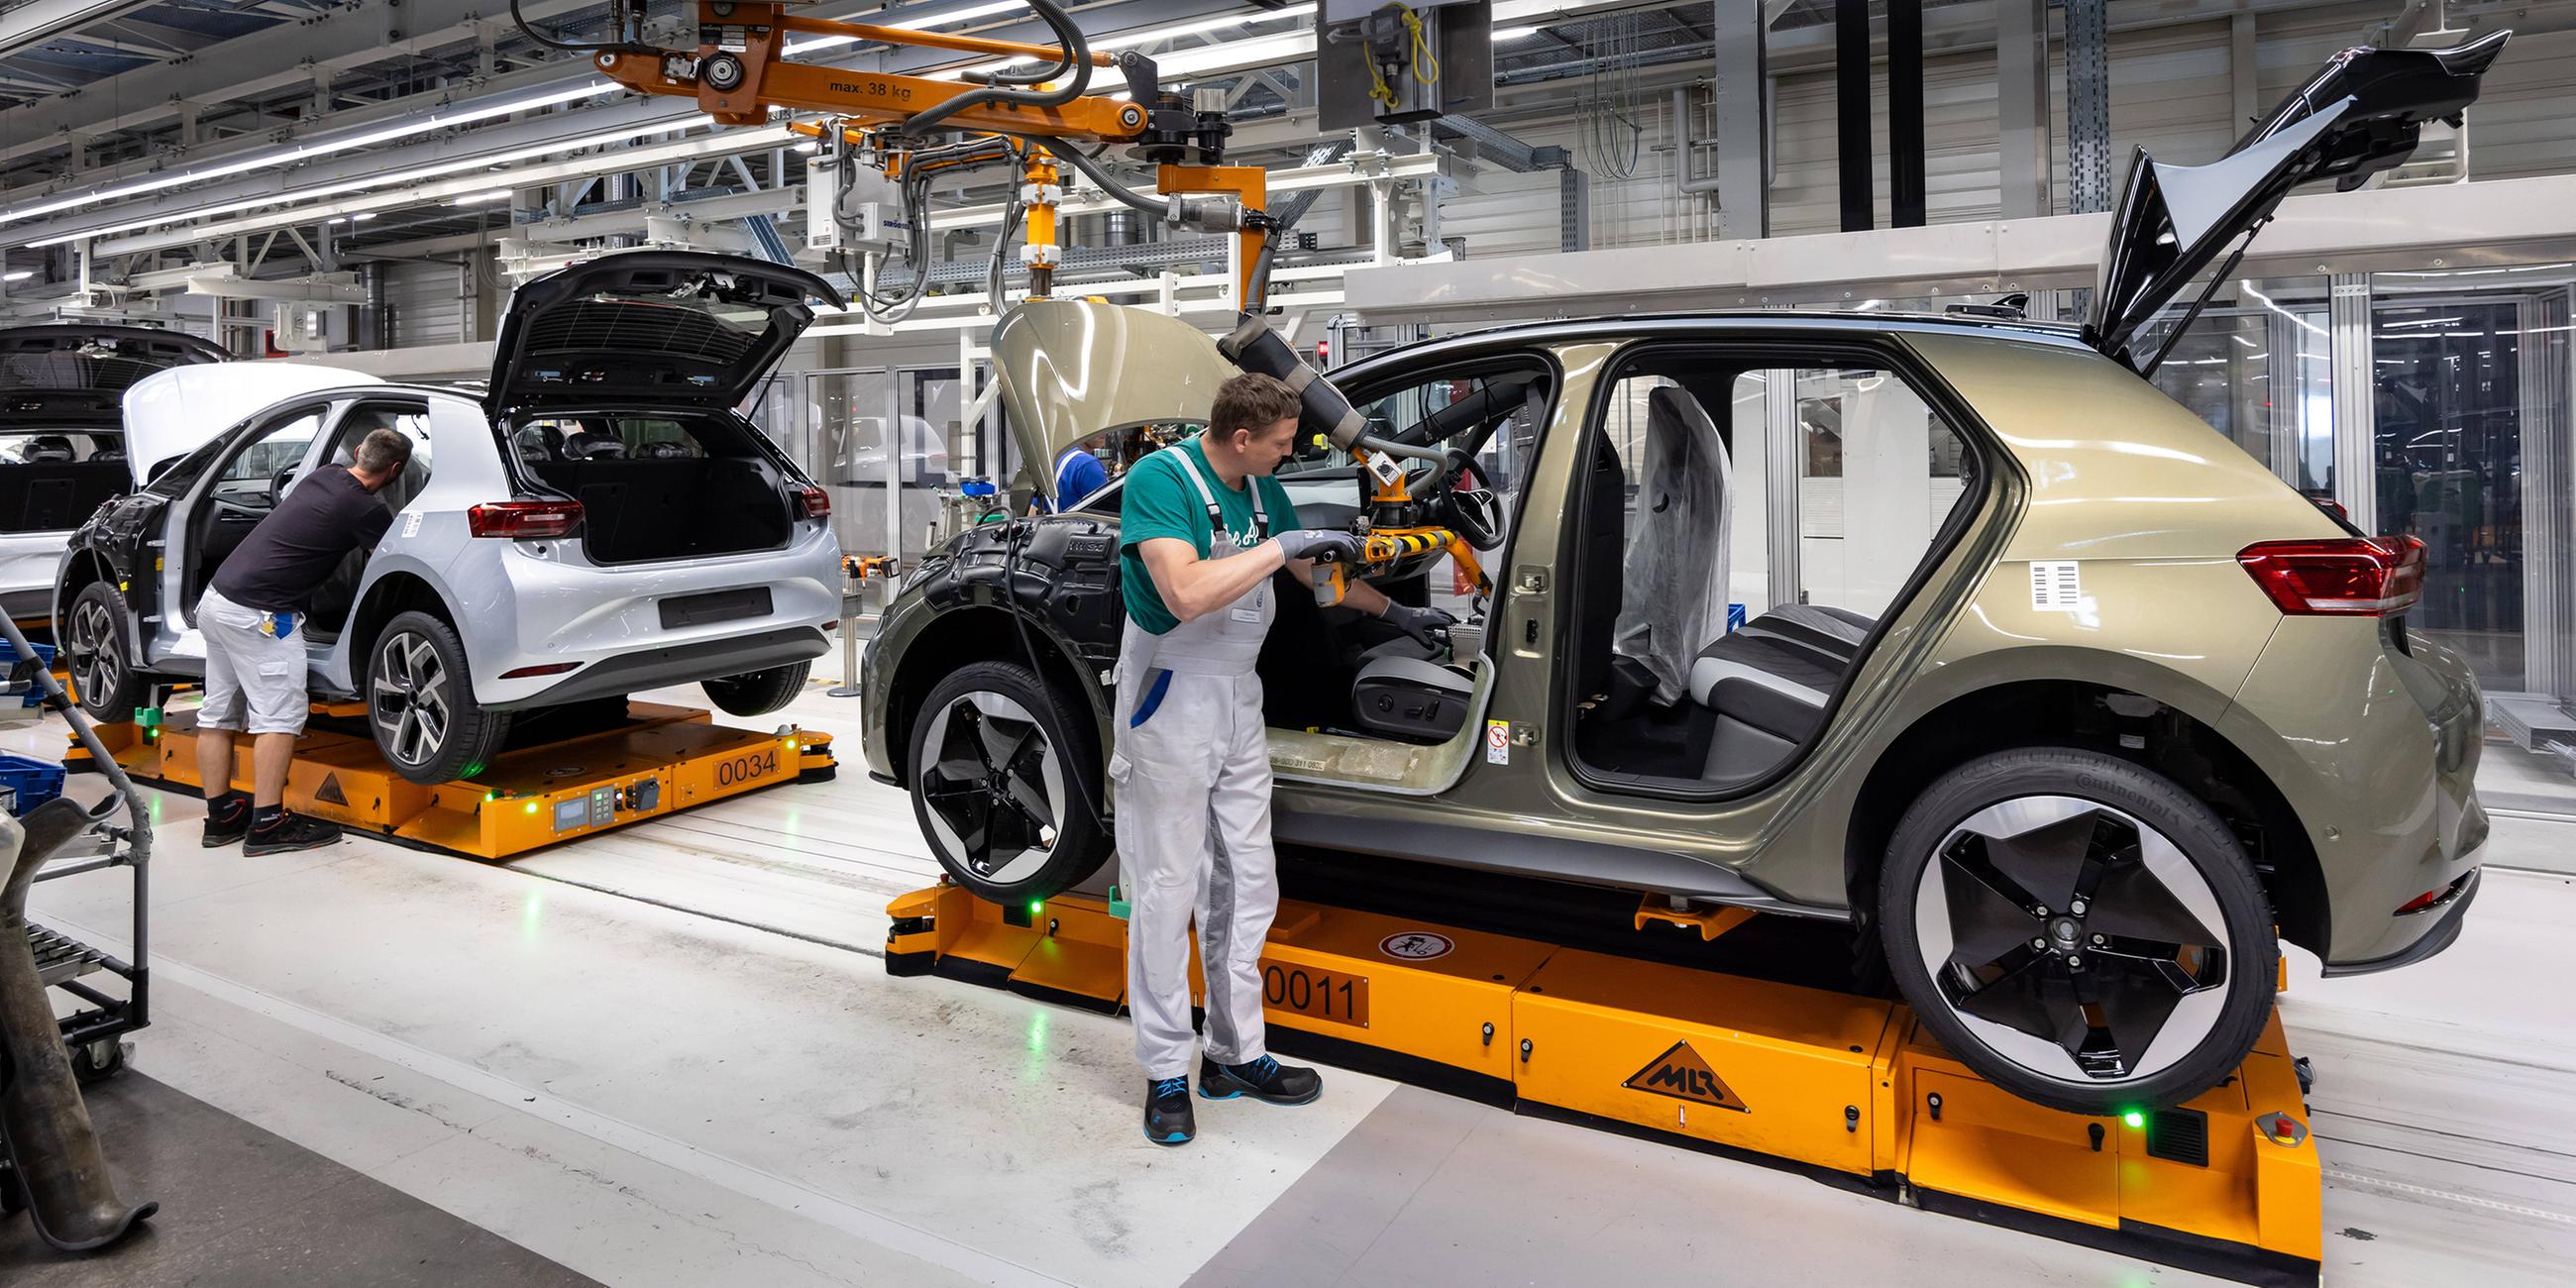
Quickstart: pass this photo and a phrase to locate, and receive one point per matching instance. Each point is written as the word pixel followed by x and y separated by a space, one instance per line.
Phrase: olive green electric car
pixel 2062 700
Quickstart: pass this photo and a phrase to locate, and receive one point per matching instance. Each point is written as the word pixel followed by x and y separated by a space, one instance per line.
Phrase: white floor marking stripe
pixel 741 1178
pixel 2447 1196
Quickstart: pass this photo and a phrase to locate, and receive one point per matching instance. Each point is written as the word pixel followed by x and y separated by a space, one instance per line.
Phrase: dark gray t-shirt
pixel 301 543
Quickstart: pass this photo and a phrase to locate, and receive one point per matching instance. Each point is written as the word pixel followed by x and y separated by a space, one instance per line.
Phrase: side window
pixel 1493 414
pixel 1879 472
pixel 280 445
pixel 244 478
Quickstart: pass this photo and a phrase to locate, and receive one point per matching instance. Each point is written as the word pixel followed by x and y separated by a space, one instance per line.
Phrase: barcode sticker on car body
pixel 2055 586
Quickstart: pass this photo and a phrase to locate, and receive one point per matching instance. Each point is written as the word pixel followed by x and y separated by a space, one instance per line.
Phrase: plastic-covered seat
pixel 1673 589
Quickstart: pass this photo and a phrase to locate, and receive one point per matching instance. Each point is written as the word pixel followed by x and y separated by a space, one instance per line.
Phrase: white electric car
pixel 62 441
pixel 600 521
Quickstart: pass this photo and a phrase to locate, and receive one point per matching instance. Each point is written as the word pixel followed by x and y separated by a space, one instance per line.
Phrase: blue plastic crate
pixel 9 663
pixel 35 781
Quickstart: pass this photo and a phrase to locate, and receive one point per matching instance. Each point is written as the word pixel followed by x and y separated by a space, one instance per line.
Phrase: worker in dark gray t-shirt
pixel 250 615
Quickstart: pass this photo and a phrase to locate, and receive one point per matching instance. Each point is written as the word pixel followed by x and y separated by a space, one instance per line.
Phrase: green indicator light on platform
pixel 491 796
pixel 2134 1118
pixel 1036 906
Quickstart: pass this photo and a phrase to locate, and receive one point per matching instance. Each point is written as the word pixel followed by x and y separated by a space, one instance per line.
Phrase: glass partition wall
pixel 2450 423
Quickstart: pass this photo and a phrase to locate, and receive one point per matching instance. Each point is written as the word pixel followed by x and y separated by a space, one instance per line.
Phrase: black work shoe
pixel 1168 1120
pixel 291 832
pixel 1263 1079
pixel 227 820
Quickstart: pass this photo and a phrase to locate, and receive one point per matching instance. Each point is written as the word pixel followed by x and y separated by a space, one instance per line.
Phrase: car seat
pixel 1777 673
pixel 1673 588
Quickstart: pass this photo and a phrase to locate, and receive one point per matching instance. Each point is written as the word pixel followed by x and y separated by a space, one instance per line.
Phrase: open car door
pixel 2359 115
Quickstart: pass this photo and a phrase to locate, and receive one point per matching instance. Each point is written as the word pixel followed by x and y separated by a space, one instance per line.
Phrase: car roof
pixel 1726 323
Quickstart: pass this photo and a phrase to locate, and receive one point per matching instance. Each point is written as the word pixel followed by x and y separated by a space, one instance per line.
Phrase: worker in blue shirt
pixel 1078 474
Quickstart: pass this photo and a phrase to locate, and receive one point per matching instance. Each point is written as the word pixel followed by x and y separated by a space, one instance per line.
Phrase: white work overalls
pixel 1190 773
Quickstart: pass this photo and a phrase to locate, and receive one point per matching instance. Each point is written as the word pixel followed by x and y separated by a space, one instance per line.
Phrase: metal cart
pixel 94 1031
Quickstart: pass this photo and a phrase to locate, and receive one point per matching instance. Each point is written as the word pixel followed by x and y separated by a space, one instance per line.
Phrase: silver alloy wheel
pixel 409 698
pixel 95 667
pixel 2073 940
pixel 994 785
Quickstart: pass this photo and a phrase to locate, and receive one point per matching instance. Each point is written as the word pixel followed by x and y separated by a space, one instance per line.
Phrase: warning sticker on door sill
pixel 1498 742
pixel 2055 586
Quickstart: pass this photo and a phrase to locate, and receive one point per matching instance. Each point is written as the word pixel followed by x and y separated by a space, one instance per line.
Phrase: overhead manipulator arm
pixel 1041 120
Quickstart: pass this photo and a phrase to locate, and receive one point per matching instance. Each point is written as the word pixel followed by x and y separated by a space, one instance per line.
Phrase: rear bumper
pixel 679 664
pixel 2441 935
pixel 534 604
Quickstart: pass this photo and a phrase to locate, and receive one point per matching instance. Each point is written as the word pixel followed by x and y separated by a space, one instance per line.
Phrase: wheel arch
pixel 389 596
pixel 2158 731
pixel 969 634
pixel 81 566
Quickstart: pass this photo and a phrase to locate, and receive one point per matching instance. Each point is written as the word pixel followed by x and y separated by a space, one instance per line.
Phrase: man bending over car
pixel 252 615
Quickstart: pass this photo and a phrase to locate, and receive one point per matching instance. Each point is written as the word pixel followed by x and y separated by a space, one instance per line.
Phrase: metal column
pixel 2356 410
pixel 2021 82
pixel 1784 461
pixel 1905 179
pixel 2088 106
pixel 2548 492
pixel 1740 95
pixel 1852 112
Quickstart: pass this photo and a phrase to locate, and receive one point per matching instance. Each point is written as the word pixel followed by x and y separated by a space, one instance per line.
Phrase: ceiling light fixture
pixel 310 151
pixel 416 174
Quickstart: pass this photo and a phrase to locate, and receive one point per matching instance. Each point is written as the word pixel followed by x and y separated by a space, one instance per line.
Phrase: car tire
pixel 421 705
pixel 98 648
pixel 1039 837
pixel 757 693
pixel 2079 930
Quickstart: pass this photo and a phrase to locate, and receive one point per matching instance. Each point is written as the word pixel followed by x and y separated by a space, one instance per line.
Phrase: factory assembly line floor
pixel 671 1055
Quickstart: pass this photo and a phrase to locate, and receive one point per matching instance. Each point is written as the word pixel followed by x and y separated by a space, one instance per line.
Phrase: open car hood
pixel 2358 116
pixel 683 328
pixel 172 413
pixel 1070 369
pixel 73 374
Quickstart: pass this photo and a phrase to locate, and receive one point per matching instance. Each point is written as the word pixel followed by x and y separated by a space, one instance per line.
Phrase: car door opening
pixel 1688 671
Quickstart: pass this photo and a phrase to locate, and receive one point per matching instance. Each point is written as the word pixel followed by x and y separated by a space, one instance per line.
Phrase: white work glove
pixel 1419 623
pixel 1317 543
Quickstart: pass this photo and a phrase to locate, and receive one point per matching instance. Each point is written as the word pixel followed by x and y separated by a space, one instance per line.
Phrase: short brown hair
pixel 1250 401
pixel 383 451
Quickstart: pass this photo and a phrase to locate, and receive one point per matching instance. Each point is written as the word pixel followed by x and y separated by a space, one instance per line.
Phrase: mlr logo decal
pixel 1681 1074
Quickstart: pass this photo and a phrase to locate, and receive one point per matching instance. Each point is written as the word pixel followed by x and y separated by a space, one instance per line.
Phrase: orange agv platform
pixel 1845 1089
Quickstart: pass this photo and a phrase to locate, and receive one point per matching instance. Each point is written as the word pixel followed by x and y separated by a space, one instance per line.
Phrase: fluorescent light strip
pixel 691 121
pixel 310 151
pixel 795 47
pixel 17 275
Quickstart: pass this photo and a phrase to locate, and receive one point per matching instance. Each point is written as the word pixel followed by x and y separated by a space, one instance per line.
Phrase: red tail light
pixel 524 520
pixel 817 502
pixel 2345 578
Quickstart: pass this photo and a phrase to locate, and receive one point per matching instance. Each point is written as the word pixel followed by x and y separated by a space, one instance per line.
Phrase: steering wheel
pixel 277 486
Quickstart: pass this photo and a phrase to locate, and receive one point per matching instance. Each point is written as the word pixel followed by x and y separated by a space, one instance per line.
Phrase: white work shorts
pixel 247 667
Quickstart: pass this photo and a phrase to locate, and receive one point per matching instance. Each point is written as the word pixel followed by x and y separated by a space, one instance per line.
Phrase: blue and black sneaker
pixel 1168 1120
pixel 1263 1079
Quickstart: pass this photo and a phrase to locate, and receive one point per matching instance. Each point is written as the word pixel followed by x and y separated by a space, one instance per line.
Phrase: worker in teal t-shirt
pixel 1202 526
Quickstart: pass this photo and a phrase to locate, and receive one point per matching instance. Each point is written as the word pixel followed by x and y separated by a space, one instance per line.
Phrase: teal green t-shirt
pixel 1160 501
